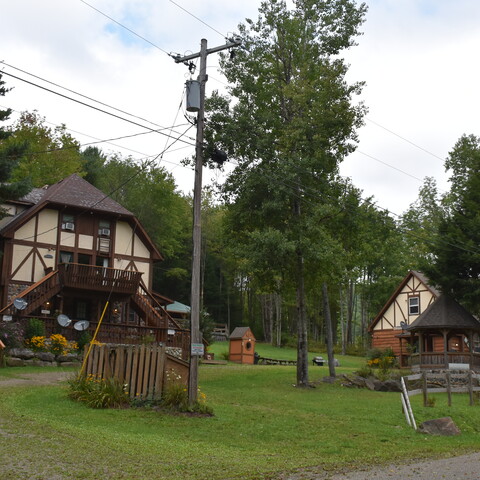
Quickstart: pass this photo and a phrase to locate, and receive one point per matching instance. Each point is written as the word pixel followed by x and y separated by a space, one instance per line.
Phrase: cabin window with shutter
pixel 414 305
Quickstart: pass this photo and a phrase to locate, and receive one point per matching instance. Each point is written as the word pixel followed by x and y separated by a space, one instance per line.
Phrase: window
pixel 104 228
pixel 414 305
pixel 81 310
pixel 66 257
pixel 68 222
pixel 84 259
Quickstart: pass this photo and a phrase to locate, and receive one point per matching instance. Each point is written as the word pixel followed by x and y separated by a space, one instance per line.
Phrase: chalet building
pixel 421 332
pixel 67 249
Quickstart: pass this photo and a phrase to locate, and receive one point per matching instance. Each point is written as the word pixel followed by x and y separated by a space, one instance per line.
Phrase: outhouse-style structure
pixel 445 335
pixel 242 345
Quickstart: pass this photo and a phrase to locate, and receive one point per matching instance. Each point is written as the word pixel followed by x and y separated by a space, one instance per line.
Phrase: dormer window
pixel 414 305
pixel 68 222
pixel 104 228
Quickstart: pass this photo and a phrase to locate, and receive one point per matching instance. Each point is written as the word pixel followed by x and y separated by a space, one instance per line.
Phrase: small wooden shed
pixel 242 345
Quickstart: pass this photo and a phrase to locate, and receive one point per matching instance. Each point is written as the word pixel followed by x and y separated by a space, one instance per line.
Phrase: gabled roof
pixel 75 192
pixel 412 273
pixel 445 312
pixel 240 332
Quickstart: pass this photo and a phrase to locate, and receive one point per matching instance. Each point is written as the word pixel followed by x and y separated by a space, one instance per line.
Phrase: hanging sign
pixel 197 349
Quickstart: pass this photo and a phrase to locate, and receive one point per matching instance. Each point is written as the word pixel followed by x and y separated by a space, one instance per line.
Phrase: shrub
pixel 97 392
pixel 224 355
pixel 35 328
pixel 58 344
pixel 83 339
pixel 37 343
pixel 148 339
pixel 365 371
pixel 175 397
pixel 11 334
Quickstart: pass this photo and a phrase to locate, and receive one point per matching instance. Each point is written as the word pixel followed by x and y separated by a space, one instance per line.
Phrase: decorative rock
pixel 440 426
pixel 36 362
pixel 393 386
pixel 45 356
pixel 69 357
pixel 14 362
pixel 23 353
pixel 369 384
pixel 70 364
pixel 329 379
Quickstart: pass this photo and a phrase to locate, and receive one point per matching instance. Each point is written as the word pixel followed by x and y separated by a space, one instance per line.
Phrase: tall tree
pixel 456 263
pixel 293 121
pixel 9 156
pixel 50 154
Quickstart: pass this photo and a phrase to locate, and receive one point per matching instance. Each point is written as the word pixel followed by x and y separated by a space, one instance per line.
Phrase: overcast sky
pixel 419 59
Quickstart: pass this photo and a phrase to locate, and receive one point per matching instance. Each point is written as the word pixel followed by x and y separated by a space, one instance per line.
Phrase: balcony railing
pixel 437 359
pixel 103 279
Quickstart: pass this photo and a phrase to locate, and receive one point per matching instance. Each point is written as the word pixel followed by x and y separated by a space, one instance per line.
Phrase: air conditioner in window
pixel 68 226
pixel 104 231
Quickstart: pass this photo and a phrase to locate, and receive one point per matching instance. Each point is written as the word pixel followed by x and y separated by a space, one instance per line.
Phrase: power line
pixel 126 28
pixel 405 139
pixel 197 18
pixel 98 140
pixel 84 96
pixel 93 107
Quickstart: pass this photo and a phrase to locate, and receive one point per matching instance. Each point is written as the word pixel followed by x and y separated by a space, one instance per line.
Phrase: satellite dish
pixel 81 325
pixel 20 303
pixel 63 320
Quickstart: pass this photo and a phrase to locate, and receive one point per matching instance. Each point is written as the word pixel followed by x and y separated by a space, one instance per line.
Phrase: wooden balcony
pixel 440 360
pixel 100 279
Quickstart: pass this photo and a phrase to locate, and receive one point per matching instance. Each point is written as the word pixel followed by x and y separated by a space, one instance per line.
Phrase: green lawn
pixel 263 426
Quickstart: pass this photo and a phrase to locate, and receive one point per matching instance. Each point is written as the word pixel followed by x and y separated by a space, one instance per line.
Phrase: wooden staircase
pixel 36 295
pixel 148 308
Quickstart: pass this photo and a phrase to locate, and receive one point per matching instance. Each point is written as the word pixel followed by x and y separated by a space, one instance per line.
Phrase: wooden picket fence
pixel 144 368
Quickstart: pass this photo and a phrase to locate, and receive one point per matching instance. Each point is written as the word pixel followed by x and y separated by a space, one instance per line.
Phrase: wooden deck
pixel 102 279
pixel 438 360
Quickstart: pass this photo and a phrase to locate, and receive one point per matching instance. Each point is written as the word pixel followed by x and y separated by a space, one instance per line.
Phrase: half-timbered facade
pixel 410 299
pixel 67 249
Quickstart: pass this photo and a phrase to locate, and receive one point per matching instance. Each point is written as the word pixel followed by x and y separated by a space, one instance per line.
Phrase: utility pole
pixel 195 337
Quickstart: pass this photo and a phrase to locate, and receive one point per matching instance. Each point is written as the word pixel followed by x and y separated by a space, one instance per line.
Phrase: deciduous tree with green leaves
pixel 50 154
pixel 291 124
pixel 9 157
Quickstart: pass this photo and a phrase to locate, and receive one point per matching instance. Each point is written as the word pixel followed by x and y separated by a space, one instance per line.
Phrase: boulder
pixel 45 356
pixel 36 362
pixel 69 357
pixel 70 364
pixel 440 426
pixel 14 362
pixel 23 353
pixel 393 386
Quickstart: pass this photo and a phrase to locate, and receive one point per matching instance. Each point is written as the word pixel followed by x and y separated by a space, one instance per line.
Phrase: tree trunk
pixel 302 344
pixel 342 322
pixel 278 320
pixel 350 299
pixel 266 302
pixel 328 327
